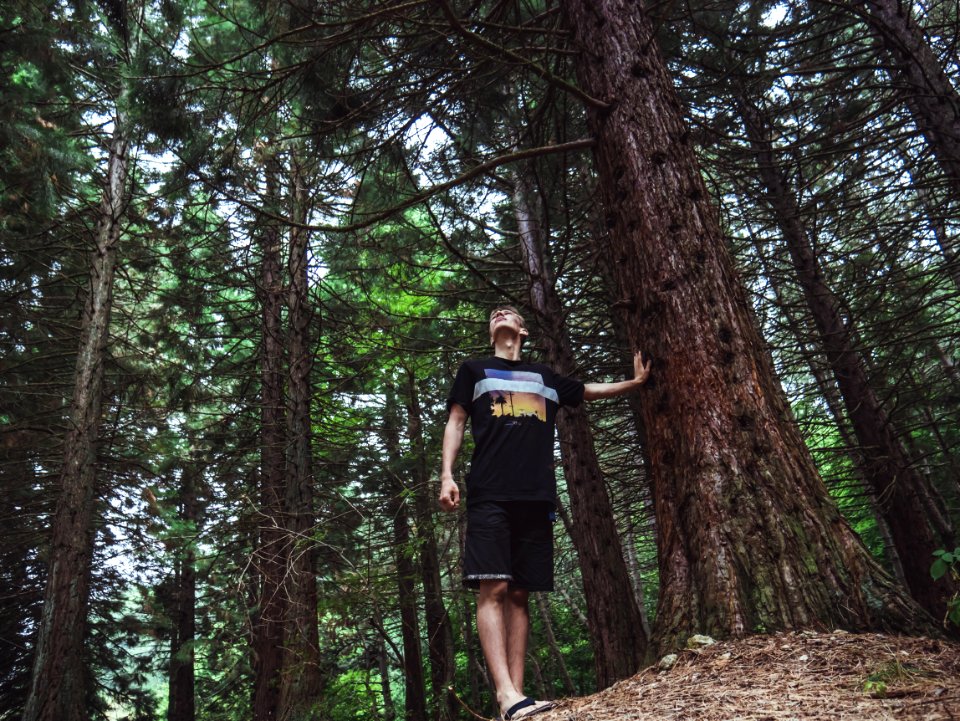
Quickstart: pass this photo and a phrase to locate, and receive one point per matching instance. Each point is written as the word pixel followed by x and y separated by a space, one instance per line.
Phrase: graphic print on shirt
pixel 516 396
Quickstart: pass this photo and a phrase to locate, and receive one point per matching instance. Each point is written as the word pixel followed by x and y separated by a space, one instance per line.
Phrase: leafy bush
pixel 948 562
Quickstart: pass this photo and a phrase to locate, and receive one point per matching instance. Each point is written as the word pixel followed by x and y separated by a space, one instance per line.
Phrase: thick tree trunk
pixel 899 487
pixel 927 91
pixel 301 682
pixel 59 686
pixel 749 538
pixel 181 704
pixel 440 646
pixel 615 624
pixel 270 556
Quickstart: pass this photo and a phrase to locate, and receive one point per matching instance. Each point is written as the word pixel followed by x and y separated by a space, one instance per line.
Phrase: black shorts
pixel 510 541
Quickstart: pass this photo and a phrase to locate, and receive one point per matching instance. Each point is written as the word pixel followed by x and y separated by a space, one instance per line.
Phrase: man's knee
pixel 518 597
pixel 493 592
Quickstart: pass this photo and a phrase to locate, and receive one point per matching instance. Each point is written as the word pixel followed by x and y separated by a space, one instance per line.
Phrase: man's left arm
pixel 641 371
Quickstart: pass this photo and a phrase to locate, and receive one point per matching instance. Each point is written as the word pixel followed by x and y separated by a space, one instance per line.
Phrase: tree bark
pixel 544 608
pixel 301 681
pixel 899 487
pixel 383 665
pixel 270 556
pixel 415 708
pixel 828 390
pixel 749 538
pixel 615 624
pixel 59 685
pixel 181 704
pixel 919 76
pixel 439 627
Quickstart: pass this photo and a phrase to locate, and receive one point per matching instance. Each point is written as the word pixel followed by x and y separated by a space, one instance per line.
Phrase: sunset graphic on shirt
pixel 516 394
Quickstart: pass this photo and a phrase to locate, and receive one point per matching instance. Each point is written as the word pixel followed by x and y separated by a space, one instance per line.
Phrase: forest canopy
pixel 245 246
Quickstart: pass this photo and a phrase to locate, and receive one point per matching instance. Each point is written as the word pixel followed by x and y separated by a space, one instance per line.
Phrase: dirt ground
pixel 837 676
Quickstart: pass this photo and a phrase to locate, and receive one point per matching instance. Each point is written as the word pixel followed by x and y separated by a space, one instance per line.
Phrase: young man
pixel 511 489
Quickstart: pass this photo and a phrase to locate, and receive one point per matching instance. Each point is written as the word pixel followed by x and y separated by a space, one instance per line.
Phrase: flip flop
pixel 526 708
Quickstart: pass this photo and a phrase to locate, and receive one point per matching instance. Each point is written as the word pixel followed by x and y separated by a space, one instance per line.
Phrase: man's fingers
pixel 449 498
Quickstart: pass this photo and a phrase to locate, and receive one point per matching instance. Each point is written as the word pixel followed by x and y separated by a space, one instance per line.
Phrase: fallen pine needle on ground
pixel 835 676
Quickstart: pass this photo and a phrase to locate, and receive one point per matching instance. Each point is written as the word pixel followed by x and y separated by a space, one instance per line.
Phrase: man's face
pixel 506 319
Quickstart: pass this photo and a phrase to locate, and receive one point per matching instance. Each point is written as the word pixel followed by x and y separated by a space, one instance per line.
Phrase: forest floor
pixel 804 675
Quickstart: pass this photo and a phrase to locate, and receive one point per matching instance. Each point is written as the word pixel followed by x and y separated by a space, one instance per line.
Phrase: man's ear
pixel 524 332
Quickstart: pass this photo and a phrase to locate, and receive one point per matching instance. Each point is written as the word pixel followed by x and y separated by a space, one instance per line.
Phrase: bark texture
pixel 614 621
pixel 749 539
pixel 917 528
pixel 301 679
pixel 415 702
pixel 181 704
pixel 59 684
pixel 269 557
pixel 927 91
pixel 440 646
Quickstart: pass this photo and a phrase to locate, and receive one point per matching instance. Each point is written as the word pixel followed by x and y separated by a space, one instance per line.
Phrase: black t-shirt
pixel 513 408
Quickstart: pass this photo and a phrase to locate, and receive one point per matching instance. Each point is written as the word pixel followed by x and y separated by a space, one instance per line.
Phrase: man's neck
pixel 507 348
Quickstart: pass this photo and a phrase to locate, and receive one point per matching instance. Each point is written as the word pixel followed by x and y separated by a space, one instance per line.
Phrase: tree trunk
pixel 927 91
pixel 899 487
pixel 416 701
pixel 615 624
pixel 544 608
pixel 181 705
pixel 301 682
pixel 407 572
pixel 749 538
pixel 827 387
pixel 476 675
pixel 59 686
pixel 269 557
pixel 439 628
pixel 383 664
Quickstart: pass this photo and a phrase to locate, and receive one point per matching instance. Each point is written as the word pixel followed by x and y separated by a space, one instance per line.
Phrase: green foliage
pixel 947 563
pixel 890 673
pixel 373 106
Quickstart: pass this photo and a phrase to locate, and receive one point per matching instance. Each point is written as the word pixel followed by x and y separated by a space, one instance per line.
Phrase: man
pixel 511 490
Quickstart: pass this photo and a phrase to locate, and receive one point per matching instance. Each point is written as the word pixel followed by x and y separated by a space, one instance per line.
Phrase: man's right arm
pixel 452 440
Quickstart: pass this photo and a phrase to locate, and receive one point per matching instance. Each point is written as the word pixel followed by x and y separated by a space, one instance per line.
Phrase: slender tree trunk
pixel 636 576
pixel 615 623
pixel 59 685
pixel 476 676
pixel 301 682
pixel 827 387
pixel 383 662
pixel 407 572
pixel 439 628
pixel 182 704
pixel 641 500
pixel 946 239
pixel 927 91
pixel 544 609
pixel 416 701
pixel 749 537
pixel 899 487
pixel 270 556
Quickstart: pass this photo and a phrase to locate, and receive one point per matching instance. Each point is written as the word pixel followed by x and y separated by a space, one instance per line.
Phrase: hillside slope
pixel 804 675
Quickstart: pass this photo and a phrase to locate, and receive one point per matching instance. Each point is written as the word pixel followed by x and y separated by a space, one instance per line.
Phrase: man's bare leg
pixel 517 621
pixel 500 648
